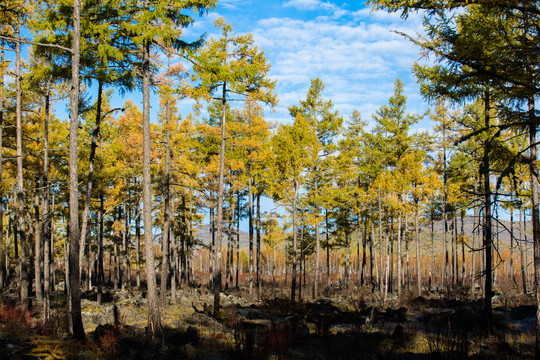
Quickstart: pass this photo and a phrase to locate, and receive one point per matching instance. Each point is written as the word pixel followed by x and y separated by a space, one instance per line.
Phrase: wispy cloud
pixel 358 60
pixel 310 5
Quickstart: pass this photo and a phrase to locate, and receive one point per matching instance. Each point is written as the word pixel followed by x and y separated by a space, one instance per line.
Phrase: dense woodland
pixel 103 197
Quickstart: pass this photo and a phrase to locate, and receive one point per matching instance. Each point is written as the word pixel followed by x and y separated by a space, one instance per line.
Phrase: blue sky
pixel 352 49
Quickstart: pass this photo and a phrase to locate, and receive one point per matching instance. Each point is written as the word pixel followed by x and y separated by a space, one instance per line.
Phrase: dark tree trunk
pixel 37 248
pixel 250 215
pixel 487 220
pixel 100 271
pixel 258 231
pixel 535 204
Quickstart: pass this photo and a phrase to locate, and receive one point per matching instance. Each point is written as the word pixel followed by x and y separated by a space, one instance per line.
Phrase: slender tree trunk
pixel 138 244
pixel 511 273
pixel 476 224
pixel 174 266
pixel 100 270
pixel 400 259
pixel 219 221
pixel 90 178
pixel 293 273
pixel 51 232
pixel 371 257
pixel 46 224
pixel 37 248
pixel 250 215
pixel 167 209
pixel 3 262
pixel 522 244
pixel 379 213
pixel 432 273
pixel 463 270
pixel 327 248
pixel 258 232
pixel 154 317
pixel 237 240
pixel 535 216
pixel 20 185
pixel 418 262
pixel 364 243
pixel 487 220
pixel 347 258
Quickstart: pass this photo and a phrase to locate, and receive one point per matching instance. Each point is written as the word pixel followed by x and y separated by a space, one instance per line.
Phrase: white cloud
pixel 310 5
pixel 358 60
pixel 232 4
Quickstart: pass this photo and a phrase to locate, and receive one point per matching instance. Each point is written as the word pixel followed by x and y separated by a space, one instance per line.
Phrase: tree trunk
pixel 535 216
pixel 250 220
pixel 293 273
pixel 400 259
pixel 327 248
pixel 46 224
pixel 138 244
pixel 74 276
pixel 258 232
pixel 154 317
pixel 347 258
pixel 219 221
pixel 37 248
pixel 167 209
pixel 487 219
pixel 90 178
pixel 3 263
pixel 364 243
pixel 237 240
pixel 20 186
pixel 100 270
pixel 418 262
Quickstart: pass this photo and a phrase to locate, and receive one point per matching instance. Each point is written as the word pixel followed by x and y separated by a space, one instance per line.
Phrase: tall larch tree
pixel 234 65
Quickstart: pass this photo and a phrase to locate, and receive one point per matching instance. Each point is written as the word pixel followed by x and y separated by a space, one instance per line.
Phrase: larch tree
pixel 156 22
pixel 234 65
pixel 294 147
pixel 327 123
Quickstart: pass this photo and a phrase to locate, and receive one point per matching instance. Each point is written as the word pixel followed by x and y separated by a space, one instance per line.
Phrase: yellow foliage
pixel 48 349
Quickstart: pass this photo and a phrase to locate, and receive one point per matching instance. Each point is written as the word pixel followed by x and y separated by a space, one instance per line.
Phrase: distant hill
pixel 203 232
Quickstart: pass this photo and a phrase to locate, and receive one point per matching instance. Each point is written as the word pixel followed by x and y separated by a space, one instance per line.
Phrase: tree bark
pixel 100 270
pixel 293 273
pixel 487 219
pixel 46 224
pixel 535 216
pixel 154 316
pixel 3 262
pixel 74 235
pixel 90 178
pixel 258 232
pixel 219 221
pixel 37 249
pixel 167 208
pixel 418 262
pixel 250 220
pixel 20 186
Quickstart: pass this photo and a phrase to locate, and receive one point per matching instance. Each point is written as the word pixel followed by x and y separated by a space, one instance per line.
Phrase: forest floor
pixel 358 326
